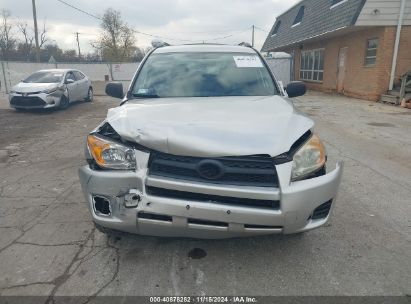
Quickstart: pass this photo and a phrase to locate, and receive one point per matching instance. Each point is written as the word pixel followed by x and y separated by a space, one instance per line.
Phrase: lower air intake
pixel 322 211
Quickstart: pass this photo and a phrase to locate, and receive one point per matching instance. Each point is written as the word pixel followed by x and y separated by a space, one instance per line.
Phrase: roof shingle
pixel 318 19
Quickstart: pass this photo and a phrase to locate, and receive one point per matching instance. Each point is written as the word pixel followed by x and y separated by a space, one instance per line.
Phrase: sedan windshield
pixel 44 77
pixel 203 74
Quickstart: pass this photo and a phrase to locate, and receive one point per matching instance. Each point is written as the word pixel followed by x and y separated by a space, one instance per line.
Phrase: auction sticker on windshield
pixel 247 62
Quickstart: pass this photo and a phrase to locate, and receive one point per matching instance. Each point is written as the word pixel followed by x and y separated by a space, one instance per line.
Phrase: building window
pixel 276 28
pixel 299 16
pixel 312 65
pixel 335 3
pixel 371 54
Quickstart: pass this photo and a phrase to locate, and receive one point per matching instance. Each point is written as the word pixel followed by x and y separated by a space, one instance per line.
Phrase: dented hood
pixel 211 126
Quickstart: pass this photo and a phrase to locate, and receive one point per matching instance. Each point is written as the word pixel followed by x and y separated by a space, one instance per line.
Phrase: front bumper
pixel 199 219
pixel 34 101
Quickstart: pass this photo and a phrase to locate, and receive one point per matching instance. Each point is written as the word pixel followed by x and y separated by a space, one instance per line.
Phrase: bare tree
pixel 117 41
pixel 28 38
pixel 7 39
pixel 43 35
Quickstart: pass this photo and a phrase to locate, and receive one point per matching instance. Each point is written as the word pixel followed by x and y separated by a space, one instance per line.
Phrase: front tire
pixel 64 103
pixel 90 95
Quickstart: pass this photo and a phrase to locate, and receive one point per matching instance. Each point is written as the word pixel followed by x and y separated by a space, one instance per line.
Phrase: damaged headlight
pixel 110 154
pixel 309 158
pixel 52 90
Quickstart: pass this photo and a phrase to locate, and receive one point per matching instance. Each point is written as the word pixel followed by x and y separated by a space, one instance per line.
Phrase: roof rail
pixel 157 43
pixel 246 44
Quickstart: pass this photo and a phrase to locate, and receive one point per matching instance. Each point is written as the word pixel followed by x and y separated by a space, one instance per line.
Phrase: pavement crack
pixel 60 280
pixel 49 245
pixel 115 274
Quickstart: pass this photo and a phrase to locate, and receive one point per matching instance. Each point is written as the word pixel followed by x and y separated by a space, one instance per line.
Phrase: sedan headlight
pixel 111 155
pixel 309 158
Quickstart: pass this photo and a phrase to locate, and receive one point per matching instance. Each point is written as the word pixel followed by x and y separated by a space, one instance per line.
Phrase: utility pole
pixel 78 45
pixel 252 35
pixel 36 34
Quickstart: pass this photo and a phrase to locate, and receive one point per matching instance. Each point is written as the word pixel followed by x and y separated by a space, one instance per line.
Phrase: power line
pixel 162 37
pixel 80 10
pixel 153 35
pixel 99 18
pixel 227 36
pixel 221 31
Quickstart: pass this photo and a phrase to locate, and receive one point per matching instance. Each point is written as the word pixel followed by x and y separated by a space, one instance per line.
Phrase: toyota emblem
pixel 210 169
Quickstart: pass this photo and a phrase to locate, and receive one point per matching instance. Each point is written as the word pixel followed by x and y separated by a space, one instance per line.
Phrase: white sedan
pixel 51 88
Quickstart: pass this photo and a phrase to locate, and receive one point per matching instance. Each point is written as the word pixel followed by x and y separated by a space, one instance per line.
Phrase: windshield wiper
pixel 146 95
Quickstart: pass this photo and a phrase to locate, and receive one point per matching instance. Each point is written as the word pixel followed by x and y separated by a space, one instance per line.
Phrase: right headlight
pixel 109 154
pixel 309 158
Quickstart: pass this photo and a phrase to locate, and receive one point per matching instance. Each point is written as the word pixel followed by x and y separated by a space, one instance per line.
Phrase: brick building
pixel 345 46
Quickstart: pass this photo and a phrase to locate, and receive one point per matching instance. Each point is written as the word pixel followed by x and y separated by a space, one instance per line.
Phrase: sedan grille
pixel 256 171
pixel 21 101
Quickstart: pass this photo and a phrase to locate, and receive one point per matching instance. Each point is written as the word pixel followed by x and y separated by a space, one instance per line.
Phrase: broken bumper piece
pixel 136 203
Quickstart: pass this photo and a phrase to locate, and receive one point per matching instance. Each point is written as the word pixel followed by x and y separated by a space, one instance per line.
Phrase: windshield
pixel 44 77
pixel 203 74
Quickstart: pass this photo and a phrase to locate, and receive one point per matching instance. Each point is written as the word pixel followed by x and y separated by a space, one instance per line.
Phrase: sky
pixel 177 21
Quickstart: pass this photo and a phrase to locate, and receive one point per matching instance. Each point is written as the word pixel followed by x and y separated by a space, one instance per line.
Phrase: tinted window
pixel 312 65
pixel 203 74
pixel 44 77
pixel 371 53
pixel 299 16
pixel 276 28
pixel 78 75
pixel 70 75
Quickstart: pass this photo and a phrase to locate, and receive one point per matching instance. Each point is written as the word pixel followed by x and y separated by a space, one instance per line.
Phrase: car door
pixel 72 86
pixel 82 84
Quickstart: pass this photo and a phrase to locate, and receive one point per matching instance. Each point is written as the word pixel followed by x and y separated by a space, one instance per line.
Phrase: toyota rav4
pixel 206 143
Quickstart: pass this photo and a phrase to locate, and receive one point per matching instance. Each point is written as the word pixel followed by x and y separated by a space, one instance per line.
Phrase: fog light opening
pixel 101 206
pixel 321 211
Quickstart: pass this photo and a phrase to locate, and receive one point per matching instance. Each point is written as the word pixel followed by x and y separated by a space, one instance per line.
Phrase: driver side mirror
pixel 295 88
pixel 69 81
pixel 115 89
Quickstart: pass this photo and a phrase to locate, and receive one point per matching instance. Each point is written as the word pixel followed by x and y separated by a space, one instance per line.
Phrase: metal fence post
pixel 4 77
pixel 111 71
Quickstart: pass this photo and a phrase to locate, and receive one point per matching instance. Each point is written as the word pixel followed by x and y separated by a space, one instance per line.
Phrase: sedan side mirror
pixel 114 89
pixel 69 81
pixel 295 88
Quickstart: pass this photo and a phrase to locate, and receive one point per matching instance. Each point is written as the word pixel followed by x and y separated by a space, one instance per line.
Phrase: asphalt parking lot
pixel 48 245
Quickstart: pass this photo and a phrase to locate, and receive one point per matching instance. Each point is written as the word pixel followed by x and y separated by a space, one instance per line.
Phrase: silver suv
pixel 207 144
